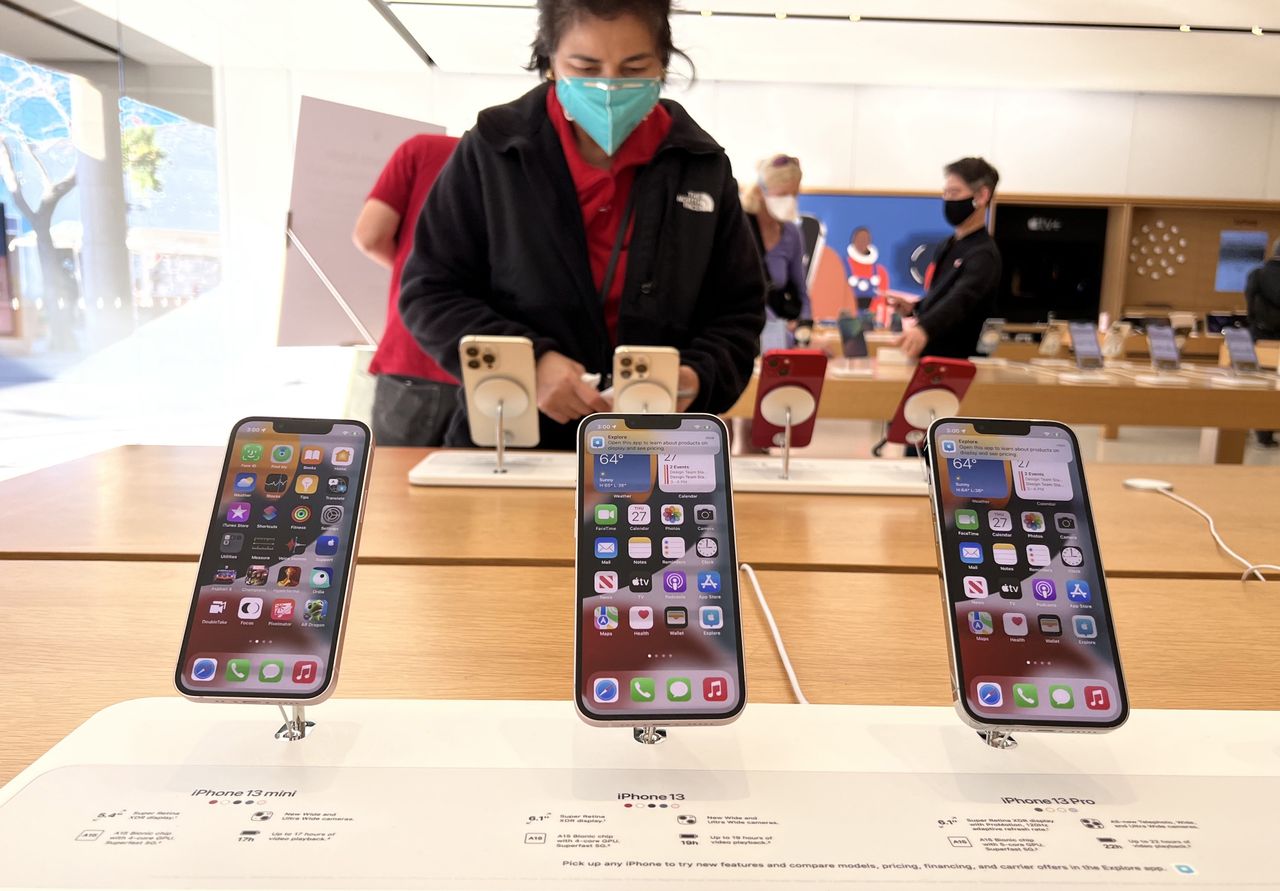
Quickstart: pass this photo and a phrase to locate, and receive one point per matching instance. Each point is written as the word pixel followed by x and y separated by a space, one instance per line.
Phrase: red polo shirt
pixel 403 185
pixel 603 195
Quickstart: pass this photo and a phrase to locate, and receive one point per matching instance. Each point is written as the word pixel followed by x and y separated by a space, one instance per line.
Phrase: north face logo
pixel 698 202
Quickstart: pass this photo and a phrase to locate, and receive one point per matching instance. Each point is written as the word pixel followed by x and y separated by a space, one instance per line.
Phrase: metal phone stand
pixel 500 399
pixel 998 739
pixel 648 735
pixel 785 407
pixel 295 724
pixel 643 398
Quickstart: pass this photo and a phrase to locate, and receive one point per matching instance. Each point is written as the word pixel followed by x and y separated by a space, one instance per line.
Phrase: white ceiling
pixel 32 39
pixel 23 36
pixel 320 35
pixel 350 35
pixel 732 48
pixel 1232 13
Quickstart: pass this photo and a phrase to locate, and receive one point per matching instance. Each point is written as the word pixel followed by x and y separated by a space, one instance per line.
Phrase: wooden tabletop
pixel 111 631
pixel 1020 390
pixel 152 503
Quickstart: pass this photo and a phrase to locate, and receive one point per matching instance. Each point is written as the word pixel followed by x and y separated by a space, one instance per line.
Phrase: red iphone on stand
pixel 932 372
pixel 788 368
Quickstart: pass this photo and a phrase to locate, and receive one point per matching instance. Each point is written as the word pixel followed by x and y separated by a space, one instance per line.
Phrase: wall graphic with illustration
pixel 875 244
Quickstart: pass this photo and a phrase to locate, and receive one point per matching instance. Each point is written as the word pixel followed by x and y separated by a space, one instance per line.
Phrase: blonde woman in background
pixel 771 206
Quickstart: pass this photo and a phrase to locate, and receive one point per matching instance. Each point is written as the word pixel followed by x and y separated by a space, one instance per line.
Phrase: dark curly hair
pixel 976 172
pixel 557 16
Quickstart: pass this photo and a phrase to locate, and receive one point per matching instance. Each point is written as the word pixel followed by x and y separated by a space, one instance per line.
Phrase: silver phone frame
pixel 957 695
pixel 331 680
pixel 577 606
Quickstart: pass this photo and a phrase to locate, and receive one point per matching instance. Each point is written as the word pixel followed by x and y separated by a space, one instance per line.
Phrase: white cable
pixel 1258 566
pixel 1213 530
pixel 777 637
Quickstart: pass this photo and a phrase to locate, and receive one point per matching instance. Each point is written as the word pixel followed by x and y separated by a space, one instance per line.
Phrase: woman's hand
pixel 562 396
pixel 687 387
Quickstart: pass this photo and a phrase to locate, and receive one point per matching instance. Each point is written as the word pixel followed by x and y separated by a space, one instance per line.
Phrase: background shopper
pixel 414 398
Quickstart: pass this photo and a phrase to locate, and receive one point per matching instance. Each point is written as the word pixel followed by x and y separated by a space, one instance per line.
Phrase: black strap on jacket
pixel 618 241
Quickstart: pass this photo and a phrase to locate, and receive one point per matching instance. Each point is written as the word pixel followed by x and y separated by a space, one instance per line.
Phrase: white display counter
pixel 160 793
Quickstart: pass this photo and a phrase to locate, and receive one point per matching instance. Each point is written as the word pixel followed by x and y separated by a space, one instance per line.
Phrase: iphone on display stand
pixel 1088 356
pixel 268 613
pixel 645 379
pixel 1085 346
pixel 1240 350
pixel 658 634
pixel 804 372
pixel 1030 633
pixel 1165 360
pixel 935 389
pixel 1243 356
pixel 499 380
pixel 1163 347
pixel 990 336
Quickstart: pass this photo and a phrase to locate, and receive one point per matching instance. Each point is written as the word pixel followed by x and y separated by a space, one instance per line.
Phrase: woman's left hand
pixel 687 386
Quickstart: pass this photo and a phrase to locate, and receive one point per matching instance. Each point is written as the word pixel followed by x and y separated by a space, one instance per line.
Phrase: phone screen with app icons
pixel 1240 349
pixel 270 589
pixel 1084 344
pixel 1030 621
pixel 1163 346
pixel 658 633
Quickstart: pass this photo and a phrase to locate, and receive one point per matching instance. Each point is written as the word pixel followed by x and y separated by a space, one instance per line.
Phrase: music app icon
pixel 1097 699
pixel 715 689
pixel 304 672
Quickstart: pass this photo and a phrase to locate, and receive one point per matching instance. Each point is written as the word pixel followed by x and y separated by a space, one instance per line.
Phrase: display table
pixel 112 631
pixel 160 793
pixel 1013 390
pixel 526 469
pixel 153 502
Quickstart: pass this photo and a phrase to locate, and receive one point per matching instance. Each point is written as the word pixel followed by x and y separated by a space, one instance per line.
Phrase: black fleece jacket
pixel 500 248
pixel 1262 297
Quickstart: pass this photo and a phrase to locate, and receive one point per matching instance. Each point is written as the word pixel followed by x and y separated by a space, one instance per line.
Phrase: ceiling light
pixel 780 15
pixel 707 12
pixel 1184 28
pixel 1257 31
pixel 855 18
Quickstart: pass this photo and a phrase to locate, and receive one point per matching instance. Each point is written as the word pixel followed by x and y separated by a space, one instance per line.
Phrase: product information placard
pixel 310 820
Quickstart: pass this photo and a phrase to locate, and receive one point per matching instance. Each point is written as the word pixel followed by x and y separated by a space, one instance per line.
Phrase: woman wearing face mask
pixel 588 214
pixel 772 207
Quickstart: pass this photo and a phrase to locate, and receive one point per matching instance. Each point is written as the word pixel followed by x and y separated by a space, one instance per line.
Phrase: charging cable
pixel 777 637
pixel 1166 488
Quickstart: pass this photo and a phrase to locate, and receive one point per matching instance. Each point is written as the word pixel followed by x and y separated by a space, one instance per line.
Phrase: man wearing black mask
pixel 966 273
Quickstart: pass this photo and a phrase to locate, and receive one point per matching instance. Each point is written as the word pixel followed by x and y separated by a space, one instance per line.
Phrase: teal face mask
pixel 608 108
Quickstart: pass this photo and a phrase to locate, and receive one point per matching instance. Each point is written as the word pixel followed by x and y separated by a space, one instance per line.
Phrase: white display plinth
pixel 163 793
pixel 751 473
pixel 1161 379
pixel 829 476
pixel 1085 378
pixel 475 467
pixel 843 368
pixel 1243 383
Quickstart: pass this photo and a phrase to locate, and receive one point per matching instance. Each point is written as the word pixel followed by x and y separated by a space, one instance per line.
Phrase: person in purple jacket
pixel 771 207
